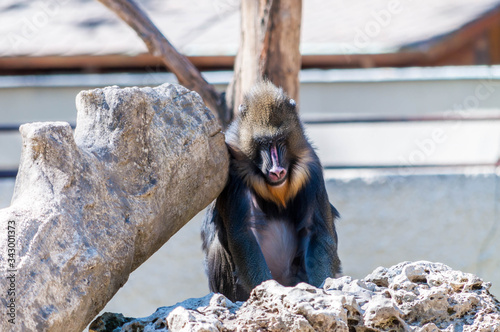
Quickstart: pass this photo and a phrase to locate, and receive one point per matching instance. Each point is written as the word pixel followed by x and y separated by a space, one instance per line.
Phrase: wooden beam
pixel 361 60
pixel 494 43
pixel 116 61
pixel 105 62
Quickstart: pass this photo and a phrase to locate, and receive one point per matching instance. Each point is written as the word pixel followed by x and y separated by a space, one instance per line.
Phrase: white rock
pixel 405 297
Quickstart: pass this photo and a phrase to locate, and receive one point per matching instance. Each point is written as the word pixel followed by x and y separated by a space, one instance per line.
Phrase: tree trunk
pixel 269 48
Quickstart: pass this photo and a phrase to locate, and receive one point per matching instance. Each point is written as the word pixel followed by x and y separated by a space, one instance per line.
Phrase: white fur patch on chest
pixel 278 242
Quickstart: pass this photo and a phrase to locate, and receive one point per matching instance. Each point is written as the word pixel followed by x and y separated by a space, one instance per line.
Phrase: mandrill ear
pixel 292 105
pixel 242 110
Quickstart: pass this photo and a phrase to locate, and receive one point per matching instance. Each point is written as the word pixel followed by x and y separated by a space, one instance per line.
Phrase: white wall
pixel 454 91
pixel 447 216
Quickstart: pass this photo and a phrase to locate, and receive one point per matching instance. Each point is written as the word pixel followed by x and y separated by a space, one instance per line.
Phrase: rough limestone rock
pixel 89 208
pixel 419 296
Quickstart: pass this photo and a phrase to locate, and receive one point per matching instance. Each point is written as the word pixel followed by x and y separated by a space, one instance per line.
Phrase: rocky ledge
pixel 410 296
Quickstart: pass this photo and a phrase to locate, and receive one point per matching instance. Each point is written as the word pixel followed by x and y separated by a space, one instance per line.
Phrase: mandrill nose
pixel 277 173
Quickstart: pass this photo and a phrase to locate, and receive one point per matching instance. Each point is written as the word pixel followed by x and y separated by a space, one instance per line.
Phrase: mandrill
pixel 273 219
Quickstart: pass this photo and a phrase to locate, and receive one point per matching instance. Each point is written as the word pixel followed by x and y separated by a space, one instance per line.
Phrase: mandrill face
pixel 272 160
pixel 268 144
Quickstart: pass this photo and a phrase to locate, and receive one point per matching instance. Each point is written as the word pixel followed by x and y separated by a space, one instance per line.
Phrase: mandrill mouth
pixel 278 183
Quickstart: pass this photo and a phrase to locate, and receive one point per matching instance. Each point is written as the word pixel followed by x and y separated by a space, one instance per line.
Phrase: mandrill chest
pixel 277 238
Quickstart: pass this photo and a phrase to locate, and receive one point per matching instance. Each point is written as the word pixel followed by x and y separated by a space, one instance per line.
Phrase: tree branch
pixel 187 74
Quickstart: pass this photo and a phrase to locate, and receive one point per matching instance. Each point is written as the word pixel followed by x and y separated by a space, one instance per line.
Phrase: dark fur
pixel 257 231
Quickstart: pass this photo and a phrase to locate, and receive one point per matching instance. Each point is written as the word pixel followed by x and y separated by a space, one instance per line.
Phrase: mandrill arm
pixel 321 260
pixel 249 261
pixel 320 257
